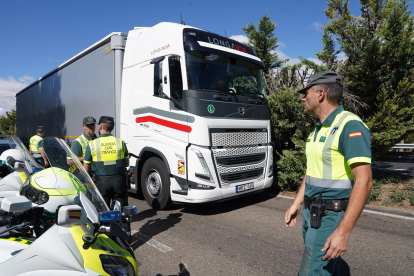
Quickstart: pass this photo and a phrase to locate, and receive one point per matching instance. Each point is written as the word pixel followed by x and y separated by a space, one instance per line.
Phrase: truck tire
pixel 155 184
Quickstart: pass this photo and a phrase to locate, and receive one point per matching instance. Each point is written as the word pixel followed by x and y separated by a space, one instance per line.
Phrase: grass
pixel 411 198
pixel 396 196
pixel 391 191
pixel 374 195
pixel 409 187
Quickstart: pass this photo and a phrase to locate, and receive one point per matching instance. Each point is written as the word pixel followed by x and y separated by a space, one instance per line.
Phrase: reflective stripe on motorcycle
pixel 22 241
pixel 91 256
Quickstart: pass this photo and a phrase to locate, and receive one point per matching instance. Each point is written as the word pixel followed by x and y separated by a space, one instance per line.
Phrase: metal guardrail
pixel 403 146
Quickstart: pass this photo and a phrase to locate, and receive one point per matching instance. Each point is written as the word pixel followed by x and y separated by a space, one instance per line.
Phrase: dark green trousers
pixel 113 188
pixel 315 239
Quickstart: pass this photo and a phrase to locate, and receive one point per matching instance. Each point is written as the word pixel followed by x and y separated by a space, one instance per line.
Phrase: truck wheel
pixel 155 184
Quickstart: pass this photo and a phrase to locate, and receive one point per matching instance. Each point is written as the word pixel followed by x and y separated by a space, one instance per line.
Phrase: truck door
pixel 171 120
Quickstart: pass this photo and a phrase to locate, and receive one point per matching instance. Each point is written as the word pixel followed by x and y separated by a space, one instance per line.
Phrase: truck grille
pixel 240 155
pixel 241 160
pixel 228 139
pixel 242 176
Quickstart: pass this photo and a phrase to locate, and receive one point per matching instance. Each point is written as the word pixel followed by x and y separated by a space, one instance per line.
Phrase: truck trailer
pixel 190 104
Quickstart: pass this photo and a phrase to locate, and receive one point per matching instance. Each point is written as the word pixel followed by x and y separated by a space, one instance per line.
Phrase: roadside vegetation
pixel 392 191
pixel 377 47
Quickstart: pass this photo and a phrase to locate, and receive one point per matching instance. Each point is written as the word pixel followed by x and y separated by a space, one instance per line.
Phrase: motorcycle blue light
pixel 110 216
pixel 134 210
pixel 35 170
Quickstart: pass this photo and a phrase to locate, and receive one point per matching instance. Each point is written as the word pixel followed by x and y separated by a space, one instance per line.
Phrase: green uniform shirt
pixel 354 145
pixel 351 147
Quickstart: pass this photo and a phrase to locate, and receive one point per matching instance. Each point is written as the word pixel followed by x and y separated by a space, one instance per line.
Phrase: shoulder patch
pixel 355 134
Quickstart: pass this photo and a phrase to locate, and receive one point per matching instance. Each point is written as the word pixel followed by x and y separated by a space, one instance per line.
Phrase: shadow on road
pixel 152 228
pixel 183 271
pixel 148 213
pixel 211 209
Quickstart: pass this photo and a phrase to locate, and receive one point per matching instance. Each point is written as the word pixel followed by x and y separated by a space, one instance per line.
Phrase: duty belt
pixel 336 205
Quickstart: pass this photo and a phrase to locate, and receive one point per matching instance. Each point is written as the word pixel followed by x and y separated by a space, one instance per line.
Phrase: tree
pixel 264 42
pixel 379 69
pixel 8 122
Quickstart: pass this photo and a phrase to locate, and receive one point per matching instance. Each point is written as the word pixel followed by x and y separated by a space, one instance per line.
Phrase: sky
pixel 39 35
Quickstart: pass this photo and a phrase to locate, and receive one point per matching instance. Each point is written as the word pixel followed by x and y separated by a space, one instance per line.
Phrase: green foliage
pixel 411 198
pixel 8 122
pixel 396 196
pixel 291 168
pixel 386 180
pixel 263 41
pixel 290 126
pixel 376 191
pixel 374 195
pixel 379 45
pixel 409 187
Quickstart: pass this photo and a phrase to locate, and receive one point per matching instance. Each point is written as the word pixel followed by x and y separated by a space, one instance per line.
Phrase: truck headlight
pixel 117 266
pixel 207 175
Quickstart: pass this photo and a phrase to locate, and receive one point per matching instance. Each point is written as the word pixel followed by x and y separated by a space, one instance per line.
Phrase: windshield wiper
pixel 256 100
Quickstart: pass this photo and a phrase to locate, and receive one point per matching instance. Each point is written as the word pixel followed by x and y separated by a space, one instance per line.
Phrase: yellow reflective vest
pixel 327 170
pixel 108 155
pixel 34 142
pixel 83 142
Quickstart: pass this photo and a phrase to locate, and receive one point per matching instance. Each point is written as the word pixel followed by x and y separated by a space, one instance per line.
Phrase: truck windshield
pixel 215 72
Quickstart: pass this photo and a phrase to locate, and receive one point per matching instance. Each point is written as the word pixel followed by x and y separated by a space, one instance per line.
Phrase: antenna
pixel 182 22
pixel 225 33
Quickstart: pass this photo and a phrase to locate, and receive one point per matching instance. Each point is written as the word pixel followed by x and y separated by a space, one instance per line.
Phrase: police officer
pixel 107 157
pixel 36 148
pixel 338 176
pixel 79 144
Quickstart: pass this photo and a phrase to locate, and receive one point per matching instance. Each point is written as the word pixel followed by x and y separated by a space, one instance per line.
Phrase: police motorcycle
pixel 59 224
pixel 16 165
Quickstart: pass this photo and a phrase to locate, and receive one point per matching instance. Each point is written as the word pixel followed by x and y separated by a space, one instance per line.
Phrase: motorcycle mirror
pixel 70 215
pixel 16 204
pixel 18 165
pixel 10 160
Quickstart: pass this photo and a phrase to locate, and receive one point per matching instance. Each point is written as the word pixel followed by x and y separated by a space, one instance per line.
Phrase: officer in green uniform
pixel 36 148
pixel 338 176
pixel 79 144
pixel 107 157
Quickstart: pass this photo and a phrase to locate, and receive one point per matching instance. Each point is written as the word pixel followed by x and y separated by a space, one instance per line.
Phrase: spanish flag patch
pixel 355 134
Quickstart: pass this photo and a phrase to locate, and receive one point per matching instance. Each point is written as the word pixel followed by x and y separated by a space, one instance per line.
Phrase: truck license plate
pixel 244 187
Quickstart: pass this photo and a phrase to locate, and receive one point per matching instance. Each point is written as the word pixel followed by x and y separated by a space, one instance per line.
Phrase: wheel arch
pixel 145 154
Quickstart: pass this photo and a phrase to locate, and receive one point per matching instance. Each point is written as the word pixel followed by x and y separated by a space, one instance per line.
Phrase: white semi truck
pixel 188 103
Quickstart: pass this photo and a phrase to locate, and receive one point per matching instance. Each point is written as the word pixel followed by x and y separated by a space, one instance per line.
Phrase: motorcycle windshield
pixel 29 163
pixel 60 158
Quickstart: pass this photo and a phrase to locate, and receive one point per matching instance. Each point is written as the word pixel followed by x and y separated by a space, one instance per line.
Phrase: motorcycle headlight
pixel 117 266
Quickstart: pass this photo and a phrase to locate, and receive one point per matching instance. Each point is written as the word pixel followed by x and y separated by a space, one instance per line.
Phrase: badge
pixel 211 108
pixel 181 168
pixel 322 139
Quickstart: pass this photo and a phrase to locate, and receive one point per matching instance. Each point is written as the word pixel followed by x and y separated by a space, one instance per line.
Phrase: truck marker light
pixel 181 167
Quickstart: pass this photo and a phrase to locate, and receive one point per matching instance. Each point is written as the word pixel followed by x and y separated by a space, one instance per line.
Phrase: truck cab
pixel 193 109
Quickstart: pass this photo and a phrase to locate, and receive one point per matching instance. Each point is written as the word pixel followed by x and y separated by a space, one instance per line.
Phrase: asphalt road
pixel 387 168
pixel 247 236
